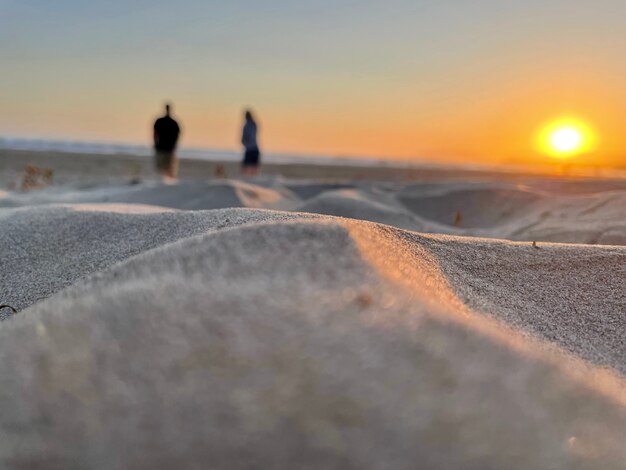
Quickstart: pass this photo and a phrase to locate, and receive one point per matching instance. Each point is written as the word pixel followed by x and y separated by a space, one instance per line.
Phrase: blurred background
pixel 447 80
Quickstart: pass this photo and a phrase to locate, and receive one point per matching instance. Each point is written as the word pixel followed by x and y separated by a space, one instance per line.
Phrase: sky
pixel 462 80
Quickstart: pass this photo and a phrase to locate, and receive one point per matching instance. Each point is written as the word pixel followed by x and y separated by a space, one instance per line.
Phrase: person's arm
pixel 244 136
pixel 155 136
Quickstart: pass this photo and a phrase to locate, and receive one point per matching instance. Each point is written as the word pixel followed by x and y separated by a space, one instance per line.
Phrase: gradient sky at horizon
pixel 460 79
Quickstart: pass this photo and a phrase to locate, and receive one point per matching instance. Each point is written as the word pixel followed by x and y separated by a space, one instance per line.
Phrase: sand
pixel 278 323
pixel 72 168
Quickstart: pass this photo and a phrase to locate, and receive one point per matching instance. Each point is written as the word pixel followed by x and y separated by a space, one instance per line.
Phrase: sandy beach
pixel 313 317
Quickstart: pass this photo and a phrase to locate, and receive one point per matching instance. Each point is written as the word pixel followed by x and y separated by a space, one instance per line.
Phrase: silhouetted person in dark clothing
pixel 252 155
pixel 166 133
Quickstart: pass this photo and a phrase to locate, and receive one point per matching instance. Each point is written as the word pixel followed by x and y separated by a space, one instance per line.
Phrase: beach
pixel 317 316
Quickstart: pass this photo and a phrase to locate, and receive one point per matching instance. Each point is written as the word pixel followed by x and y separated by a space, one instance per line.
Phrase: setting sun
pixel 566 138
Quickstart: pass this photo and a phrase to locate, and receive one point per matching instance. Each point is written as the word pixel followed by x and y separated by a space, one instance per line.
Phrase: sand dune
pixel 150 335
pixel 187 196
pixel 45 249
pixel 486 210
pixel 592 219
pixel 269 341
pixel 480 206
pixel 356 204
pixel 533 212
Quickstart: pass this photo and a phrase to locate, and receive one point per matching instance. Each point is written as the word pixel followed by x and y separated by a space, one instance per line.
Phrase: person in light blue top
pixel 252 155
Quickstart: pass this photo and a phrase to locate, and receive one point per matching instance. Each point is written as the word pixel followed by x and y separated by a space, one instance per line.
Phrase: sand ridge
pixel 151 336
pixel 534 211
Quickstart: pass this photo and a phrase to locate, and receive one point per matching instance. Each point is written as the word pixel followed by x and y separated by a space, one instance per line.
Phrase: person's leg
pixel 158 162
pixel 173 168
pixel 245 164
pixel 166 165
pixel 255 160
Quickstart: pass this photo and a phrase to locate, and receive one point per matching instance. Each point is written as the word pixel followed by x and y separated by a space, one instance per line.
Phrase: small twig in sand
pixel 458 218
pixel 535 246
pixel 9 307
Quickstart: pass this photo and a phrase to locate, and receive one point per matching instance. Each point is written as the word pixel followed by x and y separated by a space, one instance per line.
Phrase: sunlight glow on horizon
pixel 566 138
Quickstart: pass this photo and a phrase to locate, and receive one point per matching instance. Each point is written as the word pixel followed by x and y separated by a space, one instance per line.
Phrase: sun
pixel 565 138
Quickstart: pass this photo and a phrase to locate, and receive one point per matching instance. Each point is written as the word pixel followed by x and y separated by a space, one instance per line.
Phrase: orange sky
pixel 439 80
